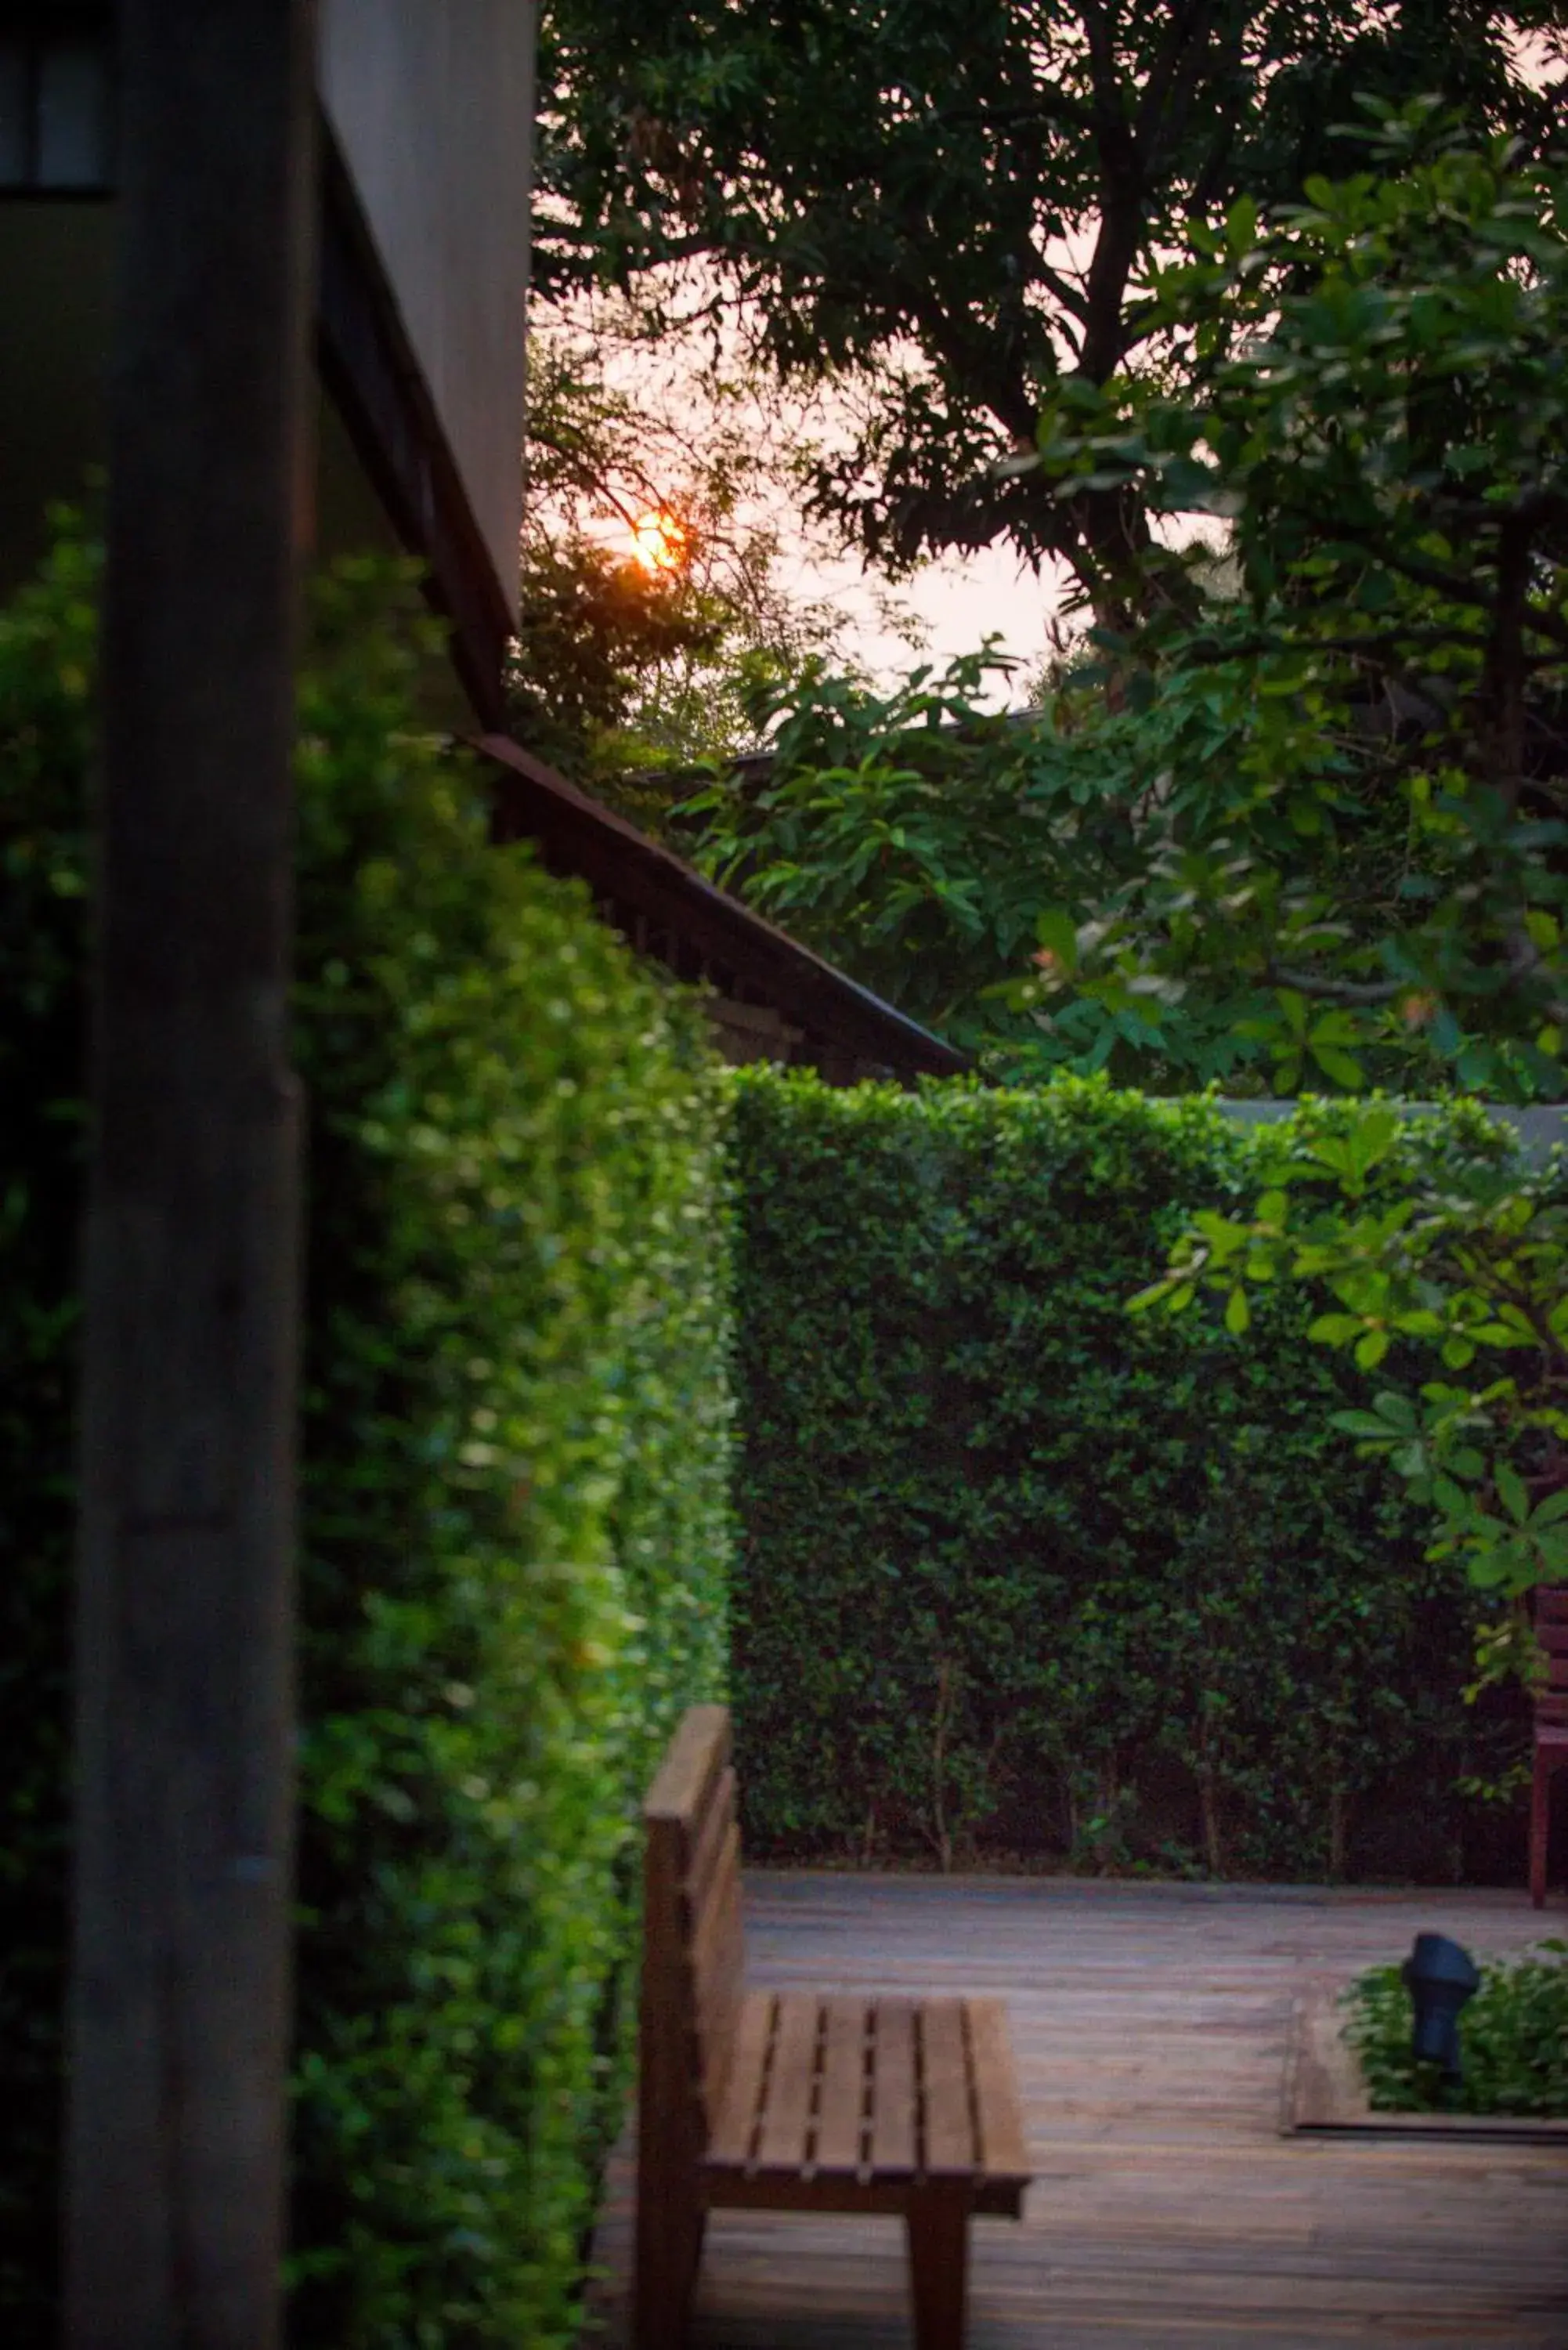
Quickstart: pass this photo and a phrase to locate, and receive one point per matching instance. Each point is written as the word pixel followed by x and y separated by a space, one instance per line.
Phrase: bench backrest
pixel 693 1953
pixel 1551 1631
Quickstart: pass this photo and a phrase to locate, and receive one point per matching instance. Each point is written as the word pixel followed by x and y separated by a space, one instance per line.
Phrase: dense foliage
pixel 1380 410
pixel 1304 825
pixel 1023 1573
pixel 965 864
pixel 1465 1267
pixel 515 1526
pixel 948 205
pixel 517 1443
pixel 1514 2033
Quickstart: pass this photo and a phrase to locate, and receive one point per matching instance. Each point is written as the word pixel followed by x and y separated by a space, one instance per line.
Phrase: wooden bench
pixel 796 2100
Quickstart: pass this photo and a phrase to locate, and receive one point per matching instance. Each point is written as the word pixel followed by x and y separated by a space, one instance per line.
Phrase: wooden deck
pixel 1150 2025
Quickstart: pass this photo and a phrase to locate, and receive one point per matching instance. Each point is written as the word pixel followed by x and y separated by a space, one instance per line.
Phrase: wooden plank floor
pixel 1150 2025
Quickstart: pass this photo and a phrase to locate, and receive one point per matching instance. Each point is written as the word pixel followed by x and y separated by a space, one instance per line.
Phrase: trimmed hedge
pixel 1024 1575
pixel 515 1529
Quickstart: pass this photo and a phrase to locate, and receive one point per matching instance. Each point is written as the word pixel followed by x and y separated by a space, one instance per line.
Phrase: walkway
pixel 1150 2025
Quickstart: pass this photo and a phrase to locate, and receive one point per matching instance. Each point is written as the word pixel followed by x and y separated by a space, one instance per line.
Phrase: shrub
pixel 1023 1573
pixel 515 1517
pixel 1514 2035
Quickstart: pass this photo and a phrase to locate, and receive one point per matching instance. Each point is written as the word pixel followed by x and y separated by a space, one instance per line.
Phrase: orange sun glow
pixel 659 541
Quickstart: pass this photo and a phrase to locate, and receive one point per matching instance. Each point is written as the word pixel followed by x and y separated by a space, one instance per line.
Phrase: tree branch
pixel 1070 296
pixel 1460 587
pixel 1173 82
pixel 1334 990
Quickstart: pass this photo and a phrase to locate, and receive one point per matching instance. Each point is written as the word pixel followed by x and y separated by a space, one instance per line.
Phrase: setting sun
pixel 659 541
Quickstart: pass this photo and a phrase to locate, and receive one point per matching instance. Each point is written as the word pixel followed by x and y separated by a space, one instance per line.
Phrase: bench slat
pixel 712 1840
pixel 893 2147
pixel 717 1965
pixel 840 2120
pixel 1001 2147
pixel 731 2143
pixel 718 1934
pixel 717 2050
pixel 792 2079
pixel 949 2148
pixel 704 1919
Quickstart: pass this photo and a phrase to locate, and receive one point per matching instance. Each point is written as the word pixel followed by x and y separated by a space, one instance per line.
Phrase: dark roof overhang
pixel 673 912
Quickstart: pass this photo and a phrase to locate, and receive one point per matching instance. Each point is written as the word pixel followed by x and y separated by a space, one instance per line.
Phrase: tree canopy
pixel 948 205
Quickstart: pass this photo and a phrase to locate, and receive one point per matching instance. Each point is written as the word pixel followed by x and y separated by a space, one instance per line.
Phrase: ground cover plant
pixel 515 1526
pixel 1514 2033
pixel 1022 1573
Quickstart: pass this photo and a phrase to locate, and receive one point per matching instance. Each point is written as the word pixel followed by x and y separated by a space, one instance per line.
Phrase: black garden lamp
pixel 1440 1978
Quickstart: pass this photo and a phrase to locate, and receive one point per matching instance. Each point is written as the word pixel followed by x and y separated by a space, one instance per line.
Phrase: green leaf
pixel 1510 1491
pixel 1241 224
pixel 1343 1068
pixel 1057 933
pixel 1336 1330
pixel 1363 1423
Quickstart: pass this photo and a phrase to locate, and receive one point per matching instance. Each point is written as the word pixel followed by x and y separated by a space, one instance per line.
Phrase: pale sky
pixel 961 600
pixel 958 600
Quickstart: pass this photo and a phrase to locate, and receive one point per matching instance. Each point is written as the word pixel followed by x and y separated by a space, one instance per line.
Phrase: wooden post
pixel 937 2225
pixel 670 2219
pixel 180 1996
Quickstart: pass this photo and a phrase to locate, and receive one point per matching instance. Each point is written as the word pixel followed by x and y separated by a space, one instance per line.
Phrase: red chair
pixel 1551 1725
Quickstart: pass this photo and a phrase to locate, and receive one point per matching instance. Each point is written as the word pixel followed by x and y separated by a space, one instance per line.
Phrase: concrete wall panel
pixel 432 102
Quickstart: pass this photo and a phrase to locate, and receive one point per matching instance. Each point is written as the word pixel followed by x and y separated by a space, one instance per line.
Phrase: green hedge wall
pixel 1022 1575
pixel 515 1529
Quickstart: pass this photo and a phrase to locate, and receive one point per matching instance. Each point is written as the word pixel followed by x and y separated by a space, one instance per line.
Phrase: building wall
pixel 56 282
pixel 432 102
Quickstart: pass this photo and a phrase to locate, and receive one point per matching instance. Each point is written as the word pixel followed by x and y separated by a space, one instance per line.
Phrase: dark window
pixel 57 109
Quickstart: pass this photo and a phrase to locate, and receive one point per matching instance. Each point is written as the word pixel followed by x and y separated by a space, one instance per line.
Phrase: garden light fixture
pixel 1440 1978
